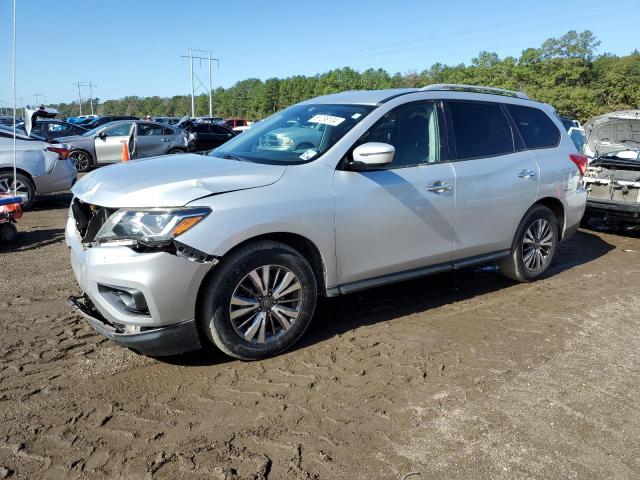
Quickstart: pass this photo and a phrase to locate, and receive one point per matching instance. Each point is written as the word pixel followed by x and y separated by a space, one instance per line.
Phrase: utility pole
pixel 85 84
pixel 193 102
pixel 194 77
pixel 91 85
pixel 77 84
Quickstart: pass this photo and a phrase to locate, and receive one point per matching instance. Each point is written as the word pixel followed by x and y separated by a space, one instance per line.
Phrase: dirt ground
pixel 461 375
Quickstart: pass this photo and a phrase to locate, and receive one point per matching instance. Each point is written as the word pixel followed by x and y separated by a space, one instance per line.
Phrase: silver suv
pixel 233 248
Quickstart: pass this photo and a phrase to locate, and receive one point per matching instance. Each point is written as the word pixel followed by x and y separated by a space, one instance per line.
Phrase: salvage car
pixel 206 136
pixel 234 247
pixel 42 167
pixel 613 176
pixel 104 144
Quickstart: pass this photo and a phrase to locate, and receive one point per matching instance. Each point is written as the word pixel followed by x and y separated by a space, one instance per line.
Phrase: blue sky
pixel 133 47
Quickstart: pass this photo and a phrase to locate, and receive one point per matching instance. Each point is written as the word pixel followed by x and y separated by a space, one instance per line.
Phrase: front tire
pixel 81 159
pixel 259 301
pixel 175 151
pixel 534 246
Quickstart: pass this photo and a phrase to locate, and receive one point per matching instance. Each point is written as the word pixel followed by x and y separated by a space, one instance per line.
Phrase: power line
pixel 44 98
pixel 193 76
pixel 91 86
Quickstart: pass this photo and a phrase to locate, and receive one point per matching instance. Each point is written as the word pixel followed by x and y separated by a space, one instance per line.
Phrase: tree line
pixel 564 71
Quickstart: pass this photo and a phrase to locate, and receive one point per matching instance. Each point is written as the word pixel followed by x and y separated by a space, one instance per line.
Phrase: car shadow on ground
pixel 51 202
pixel 33 239
pixel 336 316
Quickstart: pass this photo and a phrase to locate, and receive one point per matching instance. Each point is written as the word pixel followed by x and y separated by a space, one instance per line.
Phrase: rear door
pixel 220 135
pixel 109 146
pixel 396 219
pixel 151 139
pixel 496 179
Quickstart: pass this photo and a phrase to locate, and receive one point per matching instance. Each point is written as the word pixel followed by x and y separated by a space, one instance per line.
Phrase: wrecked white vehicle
pixel 613 175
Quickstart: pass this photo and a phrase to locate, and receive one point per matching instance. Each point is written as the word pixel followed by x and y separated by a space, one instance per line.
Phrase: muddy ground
pixel 462 375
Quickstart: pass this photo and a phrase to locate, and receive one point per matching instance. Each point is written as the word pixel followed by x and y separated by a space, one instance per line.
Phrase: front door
pixel 396 219
pixel 109 145
pixel 496 179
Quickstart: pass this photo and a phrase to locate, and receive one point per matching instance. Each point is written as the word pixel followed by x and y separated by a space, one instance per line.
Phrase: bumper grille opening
pixel 89 218
pixel 127 300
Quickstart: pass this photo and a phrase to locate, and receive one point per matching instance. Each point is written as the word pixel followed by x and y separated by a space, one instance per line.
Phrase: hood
pixel 171 180
pixel 613 132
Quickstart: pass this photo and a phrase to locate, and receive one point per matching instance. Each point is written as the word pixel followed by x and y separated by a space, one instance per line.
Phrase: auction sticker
pixel 308 155
pixel 326 120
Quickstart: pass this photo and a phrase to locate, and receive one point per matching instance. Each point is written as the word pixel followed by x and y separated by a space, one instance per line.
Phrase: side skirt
pixel 416 273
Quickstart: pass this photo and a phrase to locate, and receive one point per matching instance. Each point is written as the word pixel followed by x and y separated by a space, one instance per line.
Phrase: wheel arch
pixel 19 170
pixel 302 244
pixel 557 208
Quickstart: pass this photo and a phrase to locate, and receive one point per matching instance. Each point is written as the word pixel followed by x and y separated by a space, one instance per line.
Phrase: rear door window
pixel 480 130
pixel 535 127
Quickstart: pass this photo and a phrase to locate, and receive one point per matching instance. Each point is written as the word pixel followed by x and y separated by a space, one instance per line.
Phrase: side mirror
pixel 102 135
pixel 372 155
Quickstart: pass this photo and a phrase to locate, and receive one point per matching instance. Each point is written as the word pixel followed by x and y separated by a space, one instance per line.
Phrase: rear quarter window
pixel 480 129
pixel 535 127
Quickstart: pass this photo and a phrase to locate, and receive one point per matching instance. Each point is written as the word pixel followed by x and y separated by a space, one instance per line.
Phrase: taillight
pixel 63 153
pixel 581 162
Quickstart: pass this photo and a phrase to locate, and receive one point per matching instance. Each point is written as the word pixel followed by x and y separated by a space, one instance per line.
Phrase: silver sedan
pixel 41 166
pixel 104 144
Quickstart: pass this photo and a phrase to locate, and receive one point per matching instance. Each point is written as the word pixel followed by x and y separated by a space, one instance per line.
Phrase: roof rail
pixel 475 89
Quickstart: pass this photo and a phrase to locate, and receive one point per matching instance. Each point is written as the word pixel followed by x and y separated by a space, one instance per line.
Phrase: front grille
pixel 89 218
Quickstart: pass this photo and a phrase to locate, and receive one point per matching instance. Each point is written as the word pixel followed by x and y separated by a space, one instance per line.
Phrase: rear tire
pixel 25 187
pixel 276 315
pixel 534 246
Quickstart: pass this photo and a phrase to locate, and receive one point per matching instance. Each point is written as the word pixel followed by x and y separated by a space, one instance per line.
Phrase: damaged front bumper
pixel 143 300
pixel 170 340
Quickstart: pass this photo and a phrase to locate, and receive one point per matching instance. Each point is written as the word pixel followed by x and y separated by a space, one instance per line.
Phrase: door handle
pixel 165 139
pixel 439 187
pixel 527 174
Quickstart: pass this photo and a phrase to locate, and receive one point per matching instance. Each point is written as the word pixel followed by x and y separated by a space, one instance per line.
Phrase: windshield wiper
pixel 229 156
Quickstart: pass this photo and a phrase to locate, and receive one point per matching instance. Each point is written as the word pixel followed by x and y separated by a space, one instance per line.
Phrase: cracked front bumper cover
pixel 161 341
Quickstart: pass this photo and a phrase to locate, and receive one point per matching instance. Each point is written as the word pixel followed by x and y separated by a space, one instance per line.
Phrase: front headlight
pixel 152 227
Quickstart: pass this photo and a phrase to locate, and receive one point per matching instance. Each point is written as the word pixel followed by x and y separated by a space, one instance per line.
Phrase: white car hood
pixel 612 132
pixel 171 180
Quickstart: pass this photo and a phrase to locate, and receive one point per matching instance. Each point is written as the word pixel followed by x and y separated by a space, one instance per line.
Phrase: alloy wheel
pixel 265 303
pixel 537 245
pixel 80 160
pixel 6 186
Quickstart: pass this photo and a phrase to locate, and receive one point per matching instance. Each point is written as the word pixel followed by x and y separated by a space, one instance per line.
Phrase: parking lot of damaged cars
pixel 465 374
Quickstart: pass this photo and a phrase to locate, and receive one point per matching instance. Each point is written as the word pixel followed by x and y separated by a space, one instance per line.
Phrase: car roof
pixel 378 97
pixel 363 97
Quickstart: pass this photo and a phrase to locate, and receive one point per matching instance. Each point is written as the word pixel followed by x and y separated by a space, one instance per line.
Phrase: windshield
pixel 298 134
